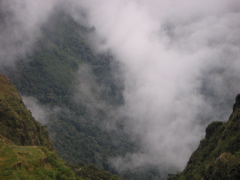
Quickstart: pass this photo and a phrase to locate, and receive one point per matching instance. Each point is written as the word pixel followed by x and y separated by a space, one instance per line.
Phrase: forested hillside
pixel 218 155
pixel 26 151
pixel 51 74
pixel 77 84
pixel 119 87
pixel 17 123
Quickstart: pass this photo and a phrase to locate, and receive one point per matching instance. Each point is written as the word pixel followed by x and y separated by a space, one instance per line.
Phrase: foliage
pixel 37 162
pixel 31 162
pixel 92 173
pixel 50 74
pixel 218 155
pixel 19 160
pixel 16 121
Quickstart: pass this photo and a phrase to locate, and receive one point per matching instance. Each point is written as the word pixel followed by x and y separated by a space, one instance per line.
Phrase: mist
pixel 180 64
pixel 88 91
pixel 42 113
pixel 20 28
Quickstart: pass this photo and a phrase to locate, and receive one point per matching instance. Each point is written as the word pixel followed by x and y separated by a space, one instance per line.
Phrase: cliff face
pixel 218 155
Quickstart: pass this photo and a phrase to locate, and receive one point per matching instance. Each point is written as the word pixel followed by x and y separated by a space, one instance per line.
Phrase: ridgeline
pixel 218 155
pixel 26 151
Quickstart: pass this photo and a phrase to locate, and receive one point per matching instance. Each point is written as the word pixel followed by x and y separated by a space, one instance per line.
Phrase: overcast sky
pixel 180 58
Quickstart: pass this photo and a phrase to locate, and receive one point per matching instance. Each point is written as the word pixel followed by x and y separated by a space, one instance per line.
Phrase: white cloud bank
pixel 181 63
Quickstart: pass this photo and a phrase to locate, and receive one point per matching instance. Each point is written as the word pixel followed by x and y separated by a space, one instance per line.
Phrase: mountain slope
pixel 26 151
pixel 64 73
pixel 53 74
pixel 30 162
pixel 218 155
pixel 25 148
pixel 16 121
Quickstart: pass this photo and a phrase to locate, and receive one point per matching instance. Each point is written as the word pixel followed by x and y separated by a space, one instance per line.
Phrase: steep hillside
pixel 56 73
pixel 52 74
pixel 37 162
pixel 30 162
pixel 218 155
pixel 26 152
pixel 16 121
pixel 25 148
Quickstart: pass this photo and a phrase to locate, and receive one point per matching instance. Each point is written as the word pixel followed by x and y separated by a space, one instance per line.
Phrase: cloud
pixel 20 27
pixel 87 91
pixel 95 99
pixel 180 61
pixel 42 113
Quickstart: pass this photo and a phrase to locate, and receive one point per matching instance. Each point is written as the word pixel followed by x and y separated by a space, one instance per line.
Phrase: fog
pixel 42 113
pixel 20 28
pixel 180 64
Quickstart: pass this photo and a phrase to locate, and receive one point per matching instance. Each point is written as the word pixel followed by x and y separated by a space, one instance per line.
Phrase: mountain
pixel 54 73
pixel 80 94
pixel 26 151
pixel 17 122
pixel 218 155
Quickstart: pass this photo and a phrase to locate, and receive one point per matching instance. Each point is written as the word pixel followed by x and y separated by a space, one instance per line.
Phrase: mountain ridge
pixel 26 151
pixel 54 74
pixel 50 73
pixel 218 155
pixel 17 122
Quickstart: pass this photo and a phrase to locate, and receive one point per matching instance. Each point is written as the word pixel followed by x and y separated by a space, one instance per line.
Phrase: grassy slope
pixel 37 162
pixel 218 155
pixel 30 162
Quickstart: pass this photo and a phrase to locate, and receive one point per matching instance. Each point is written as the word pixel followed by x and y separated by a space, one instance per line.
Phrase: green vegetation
pixel 16 121
pixel 50 74
pixel 218 155
pixel 31 162
pixel 37 162
pixel 26 151
pixel 90 172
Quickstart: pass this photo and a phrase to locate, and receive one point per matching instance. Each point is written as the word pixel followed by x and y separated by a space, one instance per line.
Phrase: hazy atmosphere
pixel 179 65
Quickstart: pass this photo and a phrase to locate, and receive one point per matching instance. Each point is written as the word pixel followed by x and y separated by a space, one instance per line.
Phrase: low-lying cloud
pixel 42 113
pixel 181 62
pixel 180 59
pixel 20 28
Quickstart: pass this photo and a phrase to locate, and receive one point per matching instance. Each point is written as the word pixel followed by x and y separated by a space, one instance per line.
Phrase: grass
pixel 30 162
